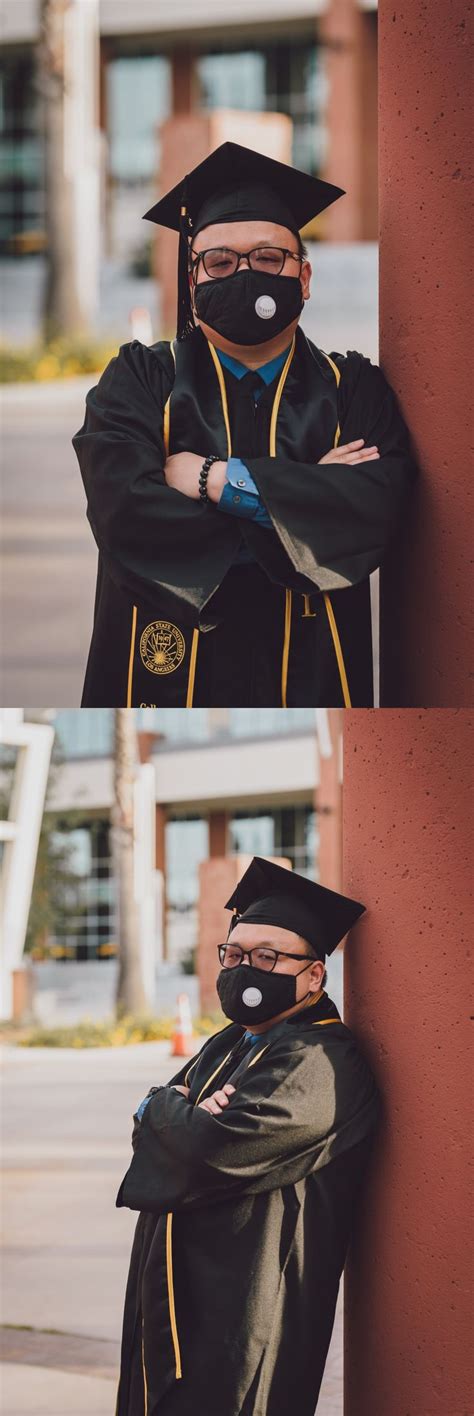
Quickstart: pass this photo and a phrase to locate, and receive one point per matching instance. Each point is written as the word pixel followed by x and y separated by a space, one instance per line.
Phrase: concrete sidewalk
pixel 66 1145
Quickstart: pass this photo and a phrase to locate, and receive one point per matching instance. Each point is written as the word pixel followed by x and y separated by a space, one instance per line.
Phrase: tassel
pixel 185 321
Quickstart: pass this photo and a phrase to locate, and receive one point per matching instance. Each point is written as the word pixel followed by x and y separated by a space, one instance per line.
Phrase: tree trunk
pixel 130 991
pixel 67 67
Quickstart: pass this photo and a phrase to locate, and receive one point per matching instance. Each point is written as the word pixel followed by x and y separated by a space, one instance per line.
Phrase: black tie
pixel 250 384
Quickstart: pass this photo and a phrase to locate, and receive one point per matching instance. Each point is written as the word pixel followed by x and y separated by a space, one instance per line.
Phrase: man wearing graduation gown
pixel 246 1169
pixel 244 582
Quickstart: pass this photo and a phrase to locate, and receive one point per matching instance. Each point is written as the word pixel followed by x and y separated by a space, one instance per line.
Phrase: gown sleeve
pixel 289 1116
pixel 336 521
pixel 149 534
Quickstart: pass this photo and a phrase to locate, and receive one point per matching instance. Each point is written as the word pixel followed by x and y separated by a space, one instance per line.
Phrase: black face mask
pixel 249 307
pixel 249 995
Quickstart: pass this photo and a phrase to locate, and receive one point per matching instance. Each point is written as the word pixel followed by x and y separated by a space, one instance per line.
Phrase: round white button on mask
pixel 251 997
pixel 265 307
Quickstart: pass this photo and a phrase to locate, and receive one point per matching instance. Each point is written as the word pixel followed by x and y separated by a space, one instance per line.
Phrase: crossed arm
pixel 182 468
pixel 287 1118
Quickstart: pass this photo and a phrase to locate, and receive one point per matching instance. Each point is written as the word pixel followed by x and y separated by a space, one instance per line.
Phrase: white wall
pixel 19 18
pixel 235 775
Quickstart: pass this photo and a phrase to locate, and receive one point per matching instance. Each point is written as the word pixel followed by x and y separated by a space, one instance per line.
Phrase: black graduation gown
pixel 177 621
pixel 244 1224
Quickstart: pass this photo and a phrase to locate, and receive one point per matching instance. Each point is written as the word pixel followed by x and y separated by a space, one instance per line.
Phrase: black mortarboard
pixel 270 894
pixel 236 184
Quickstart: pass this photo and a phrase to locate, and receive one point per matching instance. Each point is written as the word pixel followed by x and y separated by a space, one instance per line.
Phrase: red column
pixel 408 856
pixel 160 863
pixel 218 833
pixel 349 39
pixel 425 84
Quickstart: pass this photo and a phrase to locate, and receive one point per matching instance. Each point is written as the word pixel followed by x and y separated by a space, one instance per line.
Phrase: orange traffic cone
pixel 183 1040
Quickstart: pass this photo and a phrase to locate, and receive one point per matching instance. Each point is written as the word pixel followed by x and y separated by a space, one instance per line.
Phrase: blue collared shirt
pixel 240 496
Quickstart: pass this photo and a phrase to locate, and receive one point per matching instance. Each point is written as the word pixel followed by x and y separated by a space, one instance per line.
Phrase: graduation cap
pixel 236 184
pixel 271 894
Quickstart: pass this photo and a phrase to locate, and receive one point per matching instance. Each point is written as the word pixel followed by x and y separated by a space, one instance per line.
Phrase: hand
pixel 178 1088
pixel 219 1099
pixel 351 453
pixel 182 471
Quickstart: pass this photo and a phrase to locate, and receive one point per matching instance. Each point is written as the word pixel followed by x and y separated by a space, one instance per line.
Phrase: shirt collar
pixel 267 372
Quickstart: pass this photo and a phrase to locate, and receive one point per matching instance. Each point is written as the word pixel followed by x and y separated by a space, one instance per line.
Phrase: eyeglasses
pixel 220 261
pixel 261 957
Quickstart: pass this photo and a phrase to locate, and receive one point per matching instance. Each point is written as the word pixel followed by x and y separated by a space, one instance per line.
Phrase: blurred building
pixel 211 784
pixel 313 60
pixel 228 781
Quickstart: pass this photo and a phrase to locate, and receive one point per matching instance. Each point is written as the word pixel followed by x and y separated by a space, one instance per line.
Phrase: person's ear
pixel 305 277
pixel 317 973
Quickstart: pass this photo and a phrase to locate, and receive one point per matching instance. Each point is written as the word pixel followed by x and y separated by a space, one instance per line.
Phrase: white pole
pixel 82 144
pixel 145 876
pixel 21 832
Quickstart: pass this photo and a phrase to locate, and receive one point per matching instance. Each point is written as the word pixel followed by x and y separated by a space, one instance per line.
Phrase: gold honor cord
pixel 167 411
pixel 323 1022
pixel 223 393
pixel 286 647
pixel 288 593
pixel 169 1275
pixel 133 635
pixel 195 639
pixel 211 1078
pixel 169 1253
pixel 327 600
pixel 192 668
pixel 145 1385
pixel 190 1068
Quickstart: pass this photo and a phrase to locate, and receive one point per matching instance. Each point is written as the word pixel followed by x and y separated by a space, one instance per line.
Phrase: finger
pixel 347 447
pixel 228 1087
pixel 358 452
pixel 211 1105
pixel 362 457
pixel 220 1097
pixel 363 452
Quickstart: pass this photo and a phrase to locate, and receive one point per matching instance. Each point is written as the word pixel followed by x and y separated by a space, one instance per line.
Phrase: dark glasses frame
pixel 278 953
pixel 241 256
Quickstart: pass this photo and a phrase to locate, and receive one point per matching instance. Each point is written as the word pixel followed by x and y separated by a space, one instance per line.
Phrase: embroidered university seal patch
pixel 162 647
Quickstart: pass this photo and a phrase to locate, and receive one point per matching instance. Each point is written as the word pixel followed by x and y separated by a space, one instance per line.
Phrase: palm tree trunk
pixel 68 130
pixel 130 991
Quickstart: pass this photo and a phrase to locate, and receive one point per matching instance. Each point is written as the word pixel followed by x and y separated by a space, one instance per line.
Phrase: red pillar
pixel 349 39
pixel 425 341
pixel 408 856
pixel 218 833
pixel 160 863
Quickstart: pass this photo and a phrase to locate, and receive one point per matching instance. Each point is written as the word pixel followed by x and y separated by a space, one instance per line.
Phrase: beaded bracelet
pixel 203 476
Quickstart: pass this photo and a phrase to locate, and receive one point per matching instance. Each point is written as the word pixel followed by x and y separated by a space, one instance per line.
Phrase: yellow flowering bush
pixel 113 1033
pixel 59 359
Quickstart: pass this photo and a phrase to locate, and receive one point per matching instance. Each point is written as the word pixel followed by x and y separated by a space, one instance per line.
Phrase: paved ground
pixel 66 1124
pixel 49 556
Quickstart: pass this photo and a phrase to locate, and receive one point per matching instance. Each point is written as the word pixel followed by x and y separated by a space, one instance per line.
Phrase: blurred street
pixel 66 1145
pixel 49 555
